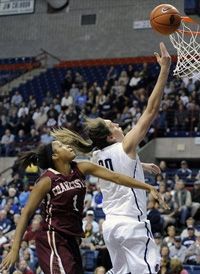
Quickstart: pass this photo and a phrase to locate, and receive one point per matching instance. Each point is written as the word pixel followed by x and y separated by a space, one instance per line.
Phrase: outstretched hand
pixel 163 59
pixel 157 196
pixel 151 168
pixel 9 260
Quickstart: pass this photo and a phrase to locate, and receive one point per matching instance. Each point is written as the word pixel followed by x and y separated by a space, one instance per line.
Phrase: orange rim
pixel 188 32
pixel 187 19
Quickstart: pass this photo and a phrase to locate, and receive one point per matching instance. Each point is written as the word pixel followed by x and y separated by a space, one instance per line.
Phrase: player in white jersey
pixel 127 232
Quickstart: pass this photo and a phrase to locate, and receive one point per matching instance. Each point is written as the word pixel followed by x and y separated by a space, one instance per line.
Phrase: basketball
pixel 165 19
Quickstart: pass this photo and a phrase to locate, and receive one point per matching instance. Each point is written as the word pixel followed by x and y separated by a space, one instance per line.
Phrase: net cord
pixel 188 51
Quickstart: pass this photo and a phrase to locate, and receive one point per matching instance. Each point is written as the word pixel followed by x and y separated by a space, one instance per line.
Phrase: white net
pixel 186 43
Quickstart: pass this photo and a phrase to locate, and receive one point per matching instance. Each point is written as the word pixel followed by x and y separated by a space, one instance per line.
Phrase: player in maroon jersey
pixel 61 191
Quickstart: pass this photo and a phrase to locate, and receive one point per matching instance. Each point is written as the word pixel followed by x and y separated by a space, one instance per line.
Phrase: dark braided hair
pixel 42 157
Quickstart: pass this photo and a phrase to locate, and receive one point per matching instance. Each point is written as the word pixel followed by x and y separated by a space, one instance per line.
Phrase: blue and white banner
pixel 11 7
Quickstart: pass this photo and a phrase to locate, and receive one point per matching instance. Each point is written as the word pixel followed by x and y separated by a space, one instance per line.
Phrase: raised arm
pixel 137 134
pixel 37 194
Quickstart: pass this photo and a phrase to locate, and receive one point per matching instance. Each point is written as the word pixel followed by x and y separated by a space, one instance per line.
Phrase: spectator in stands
pixel 52 112
pixel 197 177
pixel 23 110
pixel 161 122
pixel 66 100
pixel 12 203
pixel 11 192
pixel 158 239
pixel 165 260
pixel 190 222
pixel 86 242
pixel 24 195
pixel 51 121
pixel 193 252
pixel 168 88
pixel 31 232
pixel 167 214
pixel 62 121
pixel 176 267
pixel 32 104
pixel 3 239
pixel 94 113
pixel 193 112
pixel 178 250
pixel 7 143
pixel 30 259
pixel 182 202
pixel 56 103
pixel 5 222
pixel 68 80
pixel 25 122
pixel 81 99
pixel 181 119
pixel 134 81
pixel 48 98
pixel 90 219
pixel 166 174
pixel 171 233
pixel 106 109
pixel 195 198
pixel 96 204
pixel 36 114
pixel 20 141
pixel 100 270
pixel 154 216
pixel 16 182
pixel 100 98
pixel 184 173
pixel 112 75
pixel 41 119
pixel 78 80
pixel 74 91
pixel 15 220
pixel 190 239
pixel 45 137
pixel 32 139
pixel 24 268
pixel 16 99
pixel 98 244
pixel 71 117
pixel 88 198
pixel 123 78
pixel 13 121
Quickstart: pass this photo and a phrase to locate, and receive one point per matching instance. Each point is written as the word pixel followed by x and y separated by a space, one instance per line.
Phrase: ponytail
pixel 42 157
pixel 27 158
pixel 73 139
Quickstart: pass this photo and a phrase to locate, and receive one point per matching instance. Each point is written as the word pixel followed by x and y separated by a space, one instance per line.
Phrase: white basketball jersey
pixel 121 200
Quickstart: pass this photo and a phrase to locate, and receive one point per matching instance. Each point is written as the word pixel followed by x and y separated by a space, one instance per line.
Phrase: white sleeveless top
pixel 121 200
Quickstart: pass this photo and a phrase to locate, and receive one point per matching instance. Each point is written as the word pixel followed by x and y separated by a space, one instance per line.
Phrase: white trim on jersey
pixel 62 271
pixel 48 210
pixel 53 171
pixel 51 257
pixel 54 252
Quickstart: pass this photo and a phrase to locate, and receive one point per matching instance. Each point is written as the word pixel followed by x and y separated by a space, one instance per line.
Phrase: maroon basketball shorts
pixel 58 254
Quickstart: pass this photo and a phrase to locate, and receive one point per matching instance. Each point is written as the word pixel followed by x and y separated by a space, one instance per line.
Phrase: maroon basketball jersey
pixel 62 208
